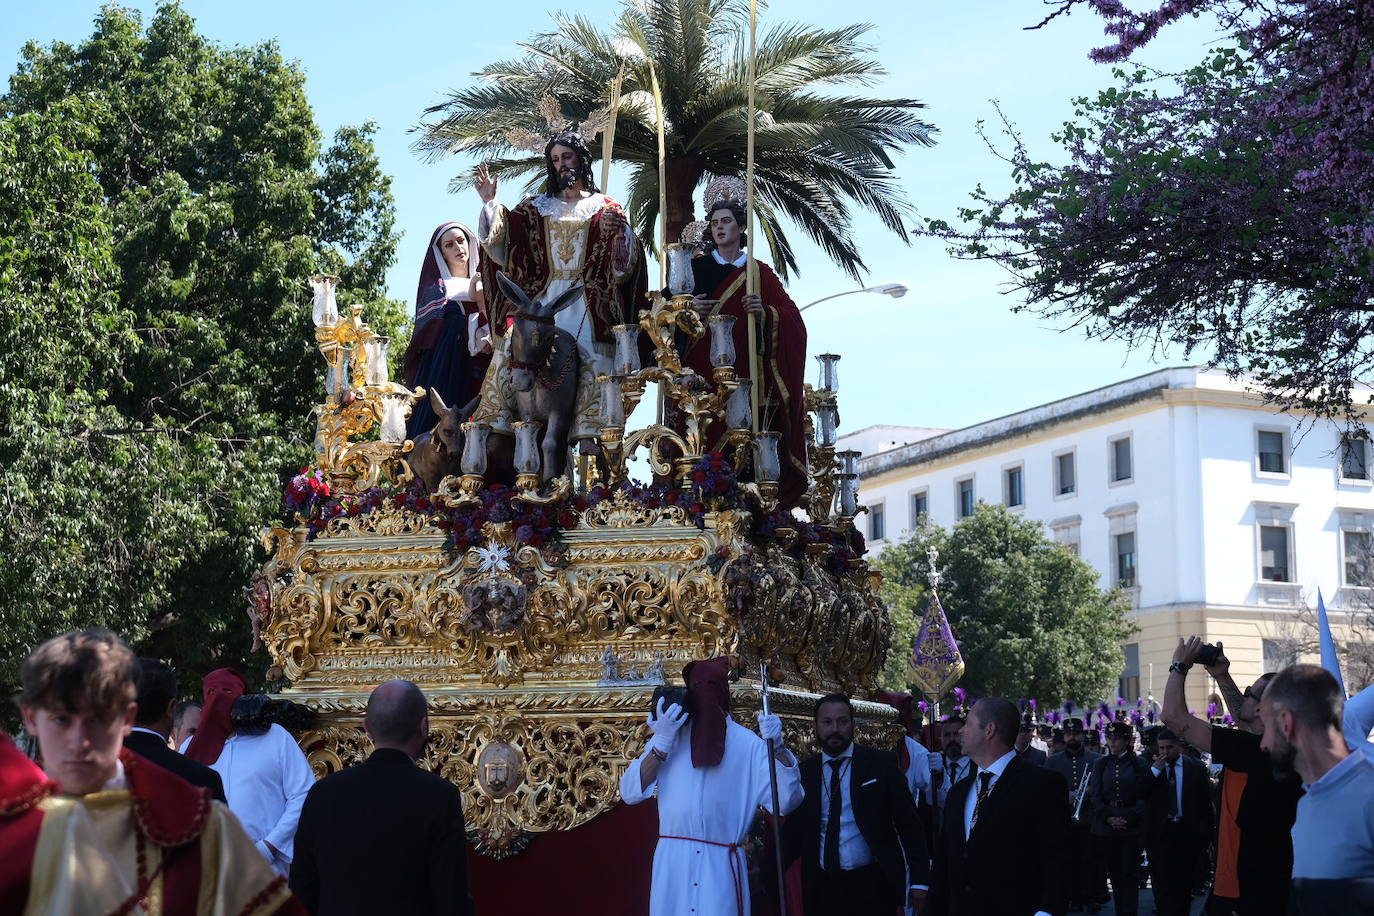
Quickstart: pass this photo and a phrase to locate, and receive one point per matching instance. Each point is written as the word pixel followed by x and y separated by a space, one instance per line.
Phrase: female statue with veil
pixel 451 344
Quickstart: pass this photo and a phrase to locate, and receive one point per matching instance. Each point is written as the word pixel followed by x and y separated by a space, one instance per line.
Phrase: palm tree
pixel 818 148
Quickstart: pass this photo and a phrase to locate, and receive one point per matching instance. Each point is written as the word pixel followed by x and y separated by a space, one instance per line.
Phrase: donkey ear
pixel 512 291
pixel 436 400
pixel 564 300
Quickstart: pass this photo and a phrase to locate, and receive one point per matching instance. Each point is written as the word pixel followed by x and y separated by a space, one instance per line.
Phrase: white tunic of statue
pixel 716 803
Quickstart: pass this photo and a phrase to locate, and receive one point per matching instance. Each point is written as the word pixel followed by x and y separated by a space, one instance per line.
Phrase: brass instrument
pixel 1081 792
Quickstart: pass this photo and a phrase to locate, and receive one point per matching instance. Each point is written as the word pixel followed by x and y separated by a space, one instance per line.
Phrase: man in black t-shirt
pixel 1255 844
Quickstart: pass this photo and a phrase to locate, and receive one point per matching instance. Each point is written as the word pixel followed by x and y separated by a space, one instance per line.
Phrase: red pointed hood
pixel 708 683
pixel 221 688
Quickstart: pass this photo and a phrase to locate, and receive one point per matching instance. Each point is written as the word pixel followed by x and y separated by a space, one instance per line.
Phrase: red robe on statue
pixel 782 351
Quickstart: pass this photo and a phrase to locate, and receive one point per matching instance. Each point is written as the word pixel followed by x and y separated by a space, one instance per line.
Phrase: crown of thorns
pixel 552 111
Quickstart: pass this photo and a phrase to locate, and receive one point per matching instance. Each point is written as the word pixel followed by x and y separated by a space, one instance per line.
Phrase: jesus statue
pixel 570 235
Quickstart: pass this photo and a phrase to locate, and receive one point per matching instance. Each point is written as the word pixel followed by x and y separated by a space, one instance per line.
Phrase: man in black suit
pixel 157 693
pixel 857 831
pixel 1024 749
pixel 1178 820
pixel 408 821
pixel 1004 847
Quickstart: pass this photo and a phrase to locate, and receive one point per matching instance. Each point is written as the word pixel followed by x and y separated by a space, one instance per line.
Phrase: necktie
pixel 832 823
pixel 1173 792
pixel 984 787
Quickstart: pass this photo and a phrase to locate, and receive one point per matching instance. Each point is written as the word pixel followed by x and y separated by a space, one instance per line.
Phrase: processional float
pixel 538 618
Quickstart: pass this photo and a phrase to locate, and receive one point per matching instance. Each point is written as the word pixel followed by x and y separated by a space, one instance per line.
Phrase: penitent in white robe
pixel 266 778
pixel 709 803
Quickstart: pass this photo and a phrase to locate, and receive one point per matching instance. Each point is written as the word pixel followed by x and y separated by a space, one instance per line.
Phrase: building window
pixel 1354 458
pixel 920 505
pixel 1274 559
pixel 1065 481
pixel 877 525
pixel 1279 653
pixel 1125 559
pixel 1355 558
pixel 1121 460
pixel 1128 685
pixel 1013 491
pixel 1273 456
pixel 964 497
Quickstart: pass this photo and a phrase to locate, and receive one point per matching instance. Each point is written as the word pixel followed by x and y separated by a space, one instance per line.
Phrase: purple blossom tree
pixel 1228 209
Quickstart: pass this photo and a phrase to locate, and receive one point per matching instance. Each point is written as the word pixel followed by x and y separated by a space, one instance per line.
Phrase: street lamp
pixel 895 290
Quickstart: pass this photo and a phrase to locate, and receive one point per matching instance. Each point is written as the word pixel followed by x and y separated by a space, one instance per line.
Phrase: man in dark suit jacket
pixel 1004 847
pixel 1024 749
pixel 857 831
pixel 1178 820
pixel 408 821
pixel 157 693
pixel 1120 785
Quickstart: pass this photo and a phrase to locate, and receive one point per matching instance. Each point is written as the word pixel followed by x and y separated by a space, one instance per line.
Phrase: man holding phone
pixel 1254 842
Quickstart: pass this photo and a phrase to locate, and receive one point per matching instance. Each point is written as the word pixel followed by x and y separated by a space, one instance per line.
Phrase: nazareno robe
pixel 446 351
pixel 151 840
pixel 702 812
pixel 782 348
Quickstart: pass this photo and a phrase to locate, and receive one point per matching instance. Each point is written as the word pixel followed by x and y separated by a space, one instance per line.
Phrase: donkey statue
pixel 543 369
pixel 436 453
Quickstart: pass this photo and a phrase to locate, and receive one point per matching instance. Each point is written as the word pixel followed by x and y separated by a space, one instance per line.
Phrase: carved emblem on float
pixel 500 769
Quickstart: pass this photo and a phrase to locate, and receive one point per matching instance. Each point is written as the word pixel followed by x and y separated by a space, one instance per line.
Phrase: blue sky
pixel 949 354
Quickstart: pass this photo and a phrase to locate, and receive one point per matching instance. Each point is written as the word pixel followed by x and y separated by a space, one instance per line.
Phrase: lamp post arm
pixel 848 292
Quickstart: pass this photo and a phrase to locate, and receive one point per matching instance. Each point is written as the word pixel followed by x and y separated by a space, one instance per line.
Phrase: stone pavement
pixel 1146 907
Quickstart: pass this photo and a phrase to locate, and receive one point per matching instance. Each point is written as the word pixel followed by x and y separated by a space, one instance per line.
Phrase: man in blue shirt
pixel 1333 836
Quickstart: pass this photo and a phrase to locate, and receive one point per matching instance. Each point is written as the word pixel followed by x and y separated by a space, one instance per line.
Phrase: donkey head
pixel 533 333
pixel 448 434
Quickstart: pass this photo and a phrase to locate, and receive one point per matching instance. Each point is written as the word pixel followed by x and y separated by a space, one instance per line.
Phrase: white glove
pixel 770 729
pixel 937 763
pixel 666 721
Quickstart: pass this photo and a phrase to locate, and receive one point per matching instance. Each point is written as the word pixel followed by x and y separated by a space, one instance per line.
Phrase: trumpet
pixel 1081 792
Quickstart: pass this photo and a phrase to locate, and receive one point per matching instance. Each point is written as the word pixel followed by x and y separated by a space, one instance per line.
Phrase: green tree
pixel 1028 615
pixel 162 202
pixel 817 150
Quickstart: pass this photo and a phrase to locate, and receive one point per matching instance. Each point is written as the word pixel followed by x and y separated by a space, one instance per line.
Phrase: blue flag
pixel 1329 660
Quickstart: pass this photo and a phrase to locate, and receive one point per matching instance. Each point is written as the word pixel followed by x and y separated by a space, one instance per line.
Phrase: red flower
pixel 567 519
pixel 354 509
pixel 536 540
pixel 462 543
pixel 699 476
pixel 399 500
pixel 722 485
pixel 422 505
pixel 697 509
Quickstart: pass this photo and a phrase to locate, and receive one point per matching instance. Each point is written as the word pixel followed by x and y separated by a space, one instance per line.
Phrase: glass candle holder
pixel 336 379
pixel 394 418
pixel 612 401
pixel 849 461
pixel 527 457
pixel 324 308
pixel 474 459
pixel 848 495
pixel 830 376
pixel 827 420
pixel 766 464
pixel 739 409
pixel 722 339
pixel 680 279
pixel 626 349
pixel 375 349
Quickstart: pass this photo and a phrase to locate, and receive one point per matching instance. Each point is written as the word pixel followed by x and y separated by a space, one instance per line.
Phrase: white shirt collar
pixel 737 262
pixel 998 765
pixel 117 781
pixel 148 731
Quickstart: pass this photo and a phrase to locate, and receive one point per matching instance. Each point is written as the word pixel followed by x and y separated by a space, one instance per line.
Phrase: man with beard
pixel 711 775
pixel 1333 834
pixel 950 766
pixel 1178 820
pixel 857 831
pixel 721 288
pixel 1074 763
pixel 1254 846
pixel 1024 748
pixel 1120 785
pixel 570 235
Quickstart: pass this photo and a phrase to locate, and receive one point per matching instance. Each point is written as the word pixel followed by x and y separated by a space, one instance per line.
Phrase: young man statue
pixel 101 829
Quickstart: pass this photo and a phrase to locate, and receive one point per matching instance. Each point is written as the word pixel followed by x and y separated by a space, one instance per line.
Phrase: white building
pixel 1218 515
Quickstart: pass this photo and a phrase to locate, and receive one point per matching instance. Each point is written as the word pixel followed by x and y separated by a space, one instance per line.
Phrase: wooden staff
pixel 751 267
pixel 777 808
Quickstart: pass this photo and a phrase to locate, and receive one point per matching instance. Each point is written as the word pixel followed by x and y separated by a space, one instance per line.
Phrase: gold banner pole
pixel 751 268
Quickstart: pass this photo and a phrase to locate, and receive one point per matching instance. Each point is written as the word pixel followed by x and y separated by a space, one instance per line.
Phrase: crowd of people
pixel 139 803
